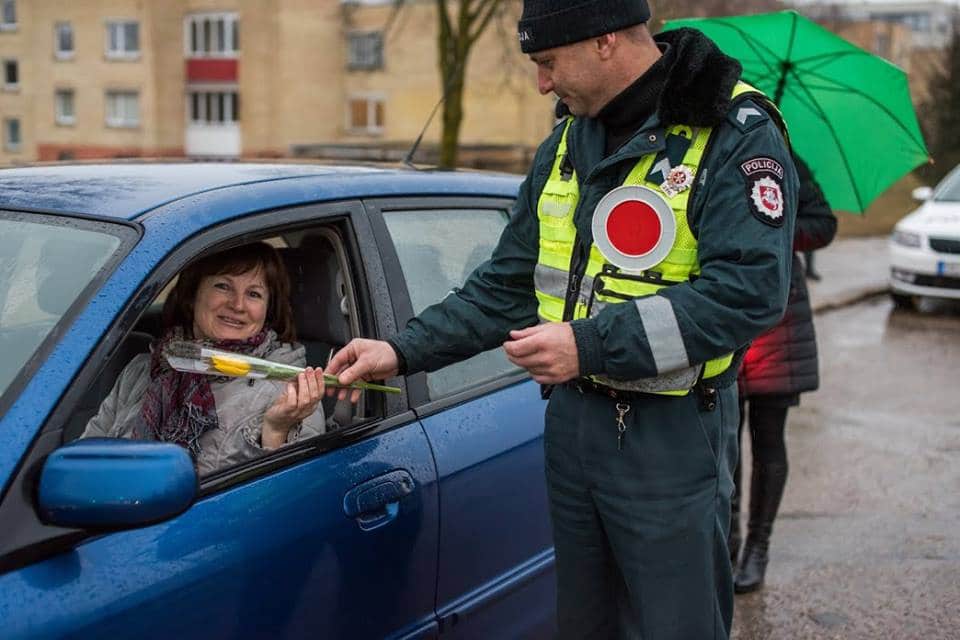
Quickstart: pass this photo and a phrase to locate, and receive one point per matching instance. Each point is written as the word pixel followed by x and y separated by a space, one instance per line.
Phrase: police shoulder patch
pixel 763 179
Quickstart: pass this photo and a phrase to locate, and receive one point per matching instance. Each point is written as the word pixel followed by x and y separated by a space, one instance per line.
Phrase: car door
pixel 484 419
pixel 334 537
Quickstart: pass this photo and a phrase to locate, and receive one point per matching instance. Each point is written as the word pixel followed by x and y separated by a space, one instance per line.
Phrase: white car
pixel 925 246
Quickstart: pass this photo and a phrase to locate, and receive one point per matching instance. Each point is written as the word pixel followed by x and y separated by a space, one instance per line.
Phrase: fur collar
pixel 698 86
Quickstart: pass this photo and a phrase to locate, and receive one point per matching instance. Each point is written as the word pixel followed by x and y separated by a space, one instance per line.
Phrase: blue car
pixel 424 516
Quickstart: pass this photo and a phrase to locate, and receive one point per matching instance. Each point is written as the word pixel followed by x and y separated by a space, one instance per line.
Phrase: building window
pixel 123 39
pixel 11 134
pixel 64 109
pixel 123 109
pixel 63 40
pixel 213 107
pixel 8 19
pixel 882 45
pixel 365 50
pixel 365 114
pixel 11 75
pixel 212 35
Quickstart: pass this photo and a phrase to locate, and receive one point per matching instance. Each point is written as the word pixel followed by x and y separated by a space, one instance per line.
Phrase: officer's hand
pixel 547 351
pixel 362 359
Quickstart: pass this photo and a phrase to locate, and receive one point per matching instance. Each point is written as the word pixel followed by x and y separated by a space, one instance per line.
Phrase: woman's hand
pixel 298 401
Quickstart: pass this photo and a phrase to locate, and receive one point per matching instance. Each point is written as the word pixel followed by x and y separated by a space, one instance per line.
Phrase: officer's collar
pixel 634 105
pixel 700 82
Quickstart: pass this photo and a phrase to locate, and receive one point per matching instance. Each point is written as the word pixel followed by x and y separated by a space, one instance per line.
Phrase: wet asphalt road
pixel 867 544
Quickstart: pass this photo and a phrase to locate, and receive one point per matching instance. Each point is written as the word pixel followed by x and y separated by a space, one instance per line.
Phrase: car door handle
pixel 376 502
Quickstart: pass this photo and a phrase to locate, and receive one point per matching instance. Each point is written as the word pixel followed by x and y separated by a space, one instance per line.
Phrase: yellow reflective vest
pixel 603 283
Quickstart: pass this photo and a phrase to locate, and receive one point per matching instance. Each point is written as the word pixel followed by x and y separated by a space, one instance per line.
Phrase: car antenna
pixel 408 159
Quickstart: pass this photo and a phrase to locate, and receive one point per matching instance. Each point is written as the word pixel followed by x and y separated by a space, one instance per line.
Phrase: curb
pixel 841 302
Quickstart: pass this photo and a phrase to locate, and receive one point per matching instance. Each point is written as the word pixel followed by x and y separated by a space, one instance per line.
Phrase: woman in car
pixel 236 300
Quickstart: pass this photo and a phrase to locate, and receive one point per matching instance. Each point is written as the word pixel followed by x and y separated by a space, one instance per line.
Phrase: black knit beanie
pixel 553 23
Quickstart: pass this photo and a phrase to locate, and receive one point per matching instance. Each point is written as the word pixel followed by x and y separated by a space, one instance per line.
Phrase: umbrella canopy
pixel 848 111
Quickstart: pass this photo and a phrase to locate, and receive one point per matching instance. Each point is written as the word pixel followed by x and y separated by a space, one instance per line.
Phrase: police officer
pixel 650 242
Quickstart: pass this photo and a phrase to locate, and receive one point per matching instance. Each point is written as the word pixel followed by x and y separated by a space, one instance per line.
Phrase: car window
pixel 949 189
pixel 43 270
pixel 438 249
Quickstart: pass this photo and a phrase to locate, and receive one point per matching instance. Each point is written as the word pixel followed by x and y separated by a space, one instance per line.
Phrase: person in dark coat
pixel 780 364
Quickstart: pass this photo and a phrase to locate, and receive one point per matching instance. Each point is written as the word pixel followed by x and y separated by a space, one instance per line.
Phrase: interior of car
pixel 325 315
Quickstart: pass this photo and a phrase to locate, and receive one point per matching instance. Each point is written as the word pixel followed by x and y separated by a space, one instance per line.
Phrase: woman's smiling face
pixel 230 307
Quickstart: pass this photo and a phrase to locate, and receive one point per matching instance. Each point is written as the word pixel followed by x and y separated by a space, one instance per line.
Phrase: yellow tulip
pixel 229 366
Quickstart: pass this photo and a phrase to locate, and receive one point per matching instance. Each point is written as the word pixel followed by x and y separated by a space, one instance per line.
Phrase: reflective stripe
pixel 555 207
pixel 663 333
pixel 586 286
pixel 550 281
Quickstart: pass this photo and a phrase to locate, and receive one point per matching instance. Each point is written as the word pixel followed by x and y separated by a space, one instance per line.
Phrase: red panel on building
pixel 212 70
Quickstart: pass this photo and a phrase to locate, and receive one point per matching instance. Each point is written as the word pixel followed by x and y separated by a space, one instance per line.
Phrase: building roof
pixel 130 190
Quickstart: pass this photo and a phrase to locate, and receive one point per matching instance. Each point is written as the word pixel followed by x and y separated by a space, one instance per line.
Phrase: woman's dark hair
pixel 178 309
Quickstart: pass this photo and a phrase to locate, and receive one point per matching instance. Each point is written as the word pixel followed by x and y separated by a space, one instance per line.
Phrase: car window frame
pixel 418 392
pixel 31 540
pixel 129 234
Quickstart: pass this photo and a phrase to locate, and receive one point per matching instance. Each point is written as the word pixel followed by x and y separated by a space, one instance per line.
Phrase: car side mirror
pixel 922 194
pixel 110 483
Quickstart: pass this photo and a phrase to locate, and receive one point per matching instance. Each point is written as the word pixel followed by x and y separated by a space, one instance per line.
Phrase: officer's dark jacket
pixel 783 359
pixel 745 262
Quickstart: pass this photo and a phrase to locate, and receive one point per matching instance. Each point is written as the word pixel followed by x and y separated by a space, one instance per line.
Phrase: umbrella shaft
pixel 778 94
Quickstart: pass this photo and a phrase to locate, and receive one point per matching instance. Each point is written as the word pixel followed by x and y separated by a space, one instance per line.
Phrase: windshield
pixel 949 189
pixel 43 270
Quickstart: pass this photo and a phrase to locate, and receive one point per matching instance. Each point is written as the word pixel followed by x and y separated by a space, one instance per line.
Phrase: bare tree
pixel 461 23
pixel 941 113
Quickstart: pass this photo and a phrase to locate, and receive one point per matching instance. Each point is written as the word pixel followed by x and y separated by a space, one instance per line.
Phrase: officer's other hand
pixel 547 351
pixel 362 359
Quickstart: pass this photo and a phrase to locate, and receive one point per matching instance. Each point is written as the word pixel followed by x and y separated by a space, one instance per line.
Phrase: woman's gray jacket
pixel 241 404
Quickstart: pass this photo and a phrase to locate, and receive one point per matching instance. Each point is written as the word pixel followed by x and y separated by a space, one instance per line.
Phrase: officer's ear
pixel 605 45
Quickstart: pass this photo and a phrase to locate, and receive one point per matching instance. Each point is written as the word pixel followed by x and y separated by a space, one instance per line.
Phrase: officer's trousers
pixel 640 531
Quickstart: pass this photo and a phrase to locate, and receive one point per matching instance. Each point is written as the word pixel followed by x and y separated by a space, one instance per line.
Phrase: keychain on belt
pixel 622 409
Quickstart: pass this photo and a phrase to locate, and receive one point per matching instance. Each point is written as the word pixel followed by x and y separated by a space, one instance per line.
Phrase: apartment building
pixel 246 78
pixel 912 35
pixel 931 24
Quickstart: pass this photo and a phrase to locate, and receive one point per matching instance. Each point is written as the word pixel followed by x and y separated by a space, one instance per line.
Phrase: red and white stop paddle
pixel 634 228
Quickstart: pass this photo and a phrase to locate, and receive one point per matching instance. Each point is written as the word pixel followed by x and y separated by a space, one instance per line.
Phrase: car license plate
pixel 948 268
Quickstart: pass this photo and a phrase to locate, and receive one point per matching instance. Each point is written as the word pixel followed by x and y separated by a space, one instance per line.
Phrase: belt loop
pixel 708 396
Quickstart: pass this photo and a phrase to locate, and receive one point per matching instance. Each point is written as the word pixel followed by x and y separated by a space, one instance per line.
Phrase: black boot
pixel 767 483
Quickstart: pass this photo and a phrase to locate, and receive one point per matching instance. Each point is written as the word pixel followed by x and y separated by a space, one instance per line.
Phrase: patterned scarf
pixel 180 407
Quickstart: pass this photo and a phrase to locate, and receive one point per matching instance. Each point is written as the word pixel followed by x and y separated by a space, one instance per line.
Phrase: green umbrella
pixel 848 111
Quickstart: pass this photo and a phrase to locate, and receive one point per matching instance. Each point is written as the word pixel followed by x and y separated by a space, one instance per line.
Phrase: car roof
pixel 130 190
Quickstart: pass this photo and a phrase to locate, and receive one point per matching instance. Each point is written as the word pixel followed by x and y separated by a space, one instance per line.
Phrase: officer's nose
pixel 544 81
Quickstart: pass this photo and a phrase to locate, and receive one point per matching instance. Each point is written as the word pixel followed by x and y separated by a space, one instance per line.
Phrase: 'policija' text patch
pixel 764 180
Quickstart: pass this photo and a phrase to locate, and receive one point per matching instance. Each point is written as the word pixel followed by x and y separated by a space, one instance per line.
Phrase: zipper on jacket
pixel 578 265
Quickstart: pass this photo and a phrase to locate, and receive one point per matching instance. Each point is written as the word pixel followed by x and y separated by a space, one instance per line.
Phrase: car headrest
pixel 317 292
pixel 67 265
